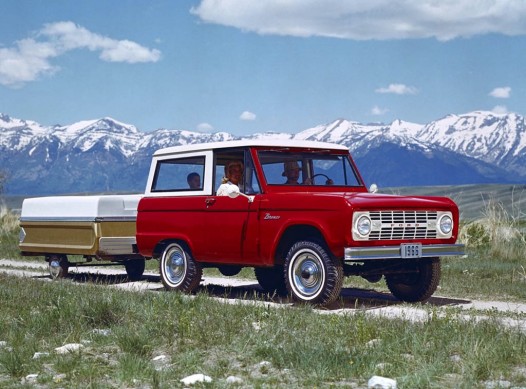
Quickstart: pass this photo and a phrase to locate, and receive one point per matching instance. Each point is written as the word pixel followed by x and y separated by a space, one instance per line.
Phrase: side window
pixel 179 174
pixel 285 168
pixel 236 166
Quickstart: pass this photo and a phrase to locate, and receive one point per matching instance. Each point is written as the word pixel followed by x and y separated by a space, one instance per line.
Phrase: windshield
pixel 285 168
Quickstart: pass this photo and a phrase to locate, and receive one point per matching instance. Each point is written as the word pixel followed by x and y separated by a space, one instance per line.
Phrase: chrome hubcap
pixel 54 268
pixel 307 274
pixel 175 267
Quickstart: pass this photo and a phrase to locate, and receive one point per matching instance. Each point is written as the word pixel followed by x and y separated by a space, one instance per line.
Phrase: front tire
pixel 418 285
pixel 178 269
pixel 311 275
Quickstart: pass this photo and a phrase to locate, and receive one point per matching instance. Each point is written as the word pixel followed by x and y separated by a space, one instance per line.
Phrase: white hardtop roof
pixel 250 142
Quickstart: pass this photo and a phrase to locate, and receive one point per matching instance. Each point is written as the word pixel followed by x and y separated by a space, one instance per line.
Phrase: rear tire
pixel 178 269
pixel 416 286
pixel 272 279
pixel 135 268
pixel 312 275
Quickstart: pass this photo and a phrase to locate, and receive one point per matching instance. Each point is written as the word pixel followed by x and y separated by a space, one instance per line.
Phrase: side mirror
pixel 233 191
pixel 373 188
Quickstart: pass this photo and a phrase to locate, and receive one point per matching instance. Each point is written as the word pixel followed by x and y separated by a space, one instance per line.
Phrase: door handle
pixel 210 201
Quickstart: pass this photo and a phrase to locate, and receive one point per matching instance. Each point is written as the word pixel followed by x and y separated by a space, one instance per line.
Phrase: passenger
pixel 194 180
pixel 291 170
pixel 233 176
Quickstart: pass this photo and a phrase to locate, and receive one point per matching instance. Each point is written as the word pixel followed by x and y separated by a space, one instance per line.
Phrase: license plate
pixel 410 250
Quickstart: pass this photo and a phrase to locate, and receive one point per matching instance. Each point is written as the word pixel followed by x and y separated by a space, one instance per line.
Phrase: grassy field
pixel 154 339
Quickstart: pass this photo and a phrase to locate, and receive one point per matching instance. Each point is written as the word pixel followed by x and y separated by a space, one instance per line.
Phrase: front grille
pixel 393 225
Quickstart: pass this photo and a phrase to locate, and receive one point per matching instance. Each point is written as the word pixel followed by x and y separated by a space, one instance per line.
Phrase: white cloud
pixel 30 58
pixel 68 36
pixel 18 66
pixel 128 51
pixel 369 19
pixel 501 93
pixel 246 115
pixel 398 89
pixel 500 109
pixel 377 111
pixel 205 127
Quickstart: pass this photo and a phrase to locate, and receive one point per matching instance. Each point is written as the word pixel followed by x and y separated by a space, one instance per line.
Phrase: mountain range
pixel 105 155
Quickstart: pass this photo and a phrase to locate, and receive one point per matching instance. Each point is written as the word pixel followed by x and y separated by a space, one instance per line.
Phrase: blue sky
pixel 253 66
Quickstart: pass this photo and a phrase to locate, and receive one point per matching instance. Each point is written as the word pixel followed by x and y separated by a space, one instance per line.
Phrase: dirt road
pixel 239 291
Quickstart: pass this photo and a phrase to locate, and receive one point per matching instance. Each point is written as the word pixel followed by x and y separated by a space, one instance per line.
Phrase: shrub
pixel 9 233
pixel 8 221
pixel 497 227
pixel 474 234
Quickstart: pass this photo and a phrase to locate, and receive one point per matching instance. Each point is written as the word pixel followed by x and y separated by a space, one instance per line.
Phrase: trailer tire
pixel 178 269
pixel 135 268
pixel 58 266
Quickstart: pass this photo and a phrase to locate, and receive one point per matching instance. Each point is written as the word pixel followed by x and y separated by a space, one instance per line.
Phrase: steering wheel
pixel 328 182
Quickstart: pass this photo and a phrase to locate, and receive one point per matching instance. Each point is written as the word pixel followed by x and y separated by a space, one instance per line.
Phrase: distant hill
pixel 474 201
pixel 105 155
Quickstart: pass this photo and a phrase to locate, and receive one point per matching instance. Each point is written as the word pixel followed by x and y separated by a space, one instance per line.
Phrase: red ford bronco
pixel 298 212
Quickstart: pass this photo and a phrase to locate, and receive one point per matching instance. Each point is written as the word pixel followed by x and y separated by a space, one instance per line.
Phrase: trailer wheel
pixel 58 266
pixel 311 274
pixel 179 271
pixel 418 285
pixel 135 268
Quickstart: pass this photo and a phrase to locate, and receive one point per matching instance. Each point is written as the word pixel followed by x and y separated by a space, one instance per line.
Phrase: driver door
pixel 230 224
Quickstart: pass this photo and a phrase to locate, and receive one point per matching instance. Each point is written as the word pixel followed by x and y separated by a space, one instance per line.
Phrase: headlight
pixel 363 225
pixel 445 224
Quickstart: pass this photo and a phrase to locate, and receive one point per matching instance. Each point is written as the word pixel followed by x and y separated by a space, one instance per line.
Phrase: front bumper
pixel 358 254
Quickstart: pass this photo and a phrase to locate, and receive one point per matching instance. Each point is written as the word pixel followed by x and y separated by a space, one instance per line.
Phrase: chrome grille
pixel 393 225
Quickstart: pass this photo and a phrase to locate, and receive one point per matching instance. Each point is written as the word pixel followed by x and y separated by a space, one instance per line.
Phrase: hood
pixel 376 201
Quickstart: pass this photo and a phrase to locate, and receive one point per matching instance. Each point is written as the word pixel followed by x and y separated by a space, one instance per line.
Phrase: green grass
pixel 200 335
pixel 484 276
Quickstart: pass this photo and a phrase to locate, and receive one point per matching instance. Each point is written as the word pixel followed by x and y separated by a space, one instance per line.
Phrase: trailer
pixel 101 229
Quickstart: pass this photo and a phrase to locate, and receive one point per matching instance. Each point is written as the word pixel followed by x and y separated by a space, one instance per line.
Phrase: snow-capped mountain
pixel 498 139
pixel 405 154
pixel 107 155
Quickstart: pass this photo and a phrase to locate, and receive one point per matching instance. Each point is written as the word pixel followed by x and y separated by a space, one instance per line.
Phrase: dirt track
pixel 233 290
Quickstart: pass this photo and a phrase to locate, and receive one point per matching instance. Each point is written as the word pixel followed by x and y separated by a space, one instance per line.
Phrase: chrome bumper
pixel 357 254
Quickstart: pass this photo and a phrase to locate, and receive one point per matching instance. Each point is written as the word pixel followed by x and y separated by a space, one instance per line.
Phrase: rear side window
pixel 181 174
